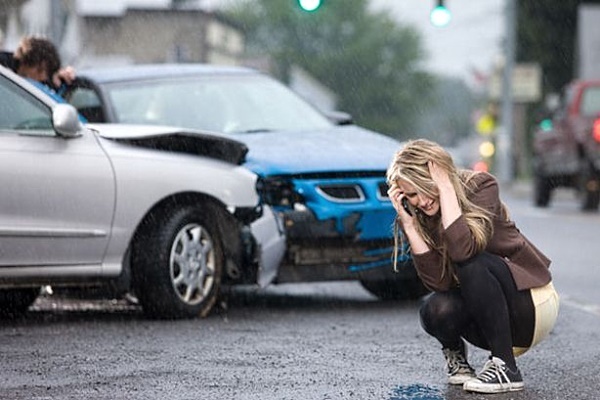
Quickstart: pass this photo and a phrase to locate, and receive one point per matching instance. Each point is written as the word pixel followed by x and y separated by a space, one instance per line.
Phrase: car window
pixel 87 102
pixel 590 103
pixel 21 112
pixel 226 104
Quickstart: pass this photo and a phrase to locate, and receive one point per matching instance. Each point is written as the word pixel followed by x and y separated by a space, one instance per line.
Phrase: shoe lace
pixel 456 360
pixel 494 369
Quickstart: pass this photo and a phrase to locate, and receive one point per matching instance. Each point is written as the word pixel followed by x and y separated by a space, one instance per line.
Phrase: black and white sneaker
pixel 459 370
pixel 495 377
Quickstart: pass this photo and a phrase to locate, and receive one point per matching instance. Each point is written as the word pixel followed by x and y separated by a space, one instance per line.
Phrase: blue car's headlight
pixel 277 191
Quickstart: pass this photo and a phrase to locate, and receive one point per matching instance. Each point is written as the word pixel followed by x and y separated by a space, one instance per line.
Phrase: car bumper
pixel 321 251
pixel 269 236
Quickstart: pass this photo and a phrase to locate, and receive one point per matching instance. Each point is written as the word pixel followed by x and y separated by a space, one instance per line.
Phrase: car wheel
pixel 395 289
pixel 15 302
pixel 177 264
pixel 588 187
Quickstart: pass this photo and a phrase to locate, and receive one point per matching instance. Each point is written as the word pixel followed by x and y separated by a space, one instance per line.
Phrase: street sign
pixel 526 83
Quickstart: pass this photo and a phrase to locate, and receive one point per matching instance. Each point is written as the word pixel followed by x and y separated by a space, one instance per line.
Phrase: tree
pixel 372 63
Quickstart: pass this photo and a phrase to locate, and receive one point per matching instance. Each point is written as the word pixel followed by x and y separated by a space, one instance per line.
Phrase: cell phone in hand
pixel 406 206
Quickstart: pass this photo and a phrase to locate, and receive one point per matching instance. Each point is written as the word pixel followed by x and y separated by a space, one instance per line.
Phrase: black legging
pixel 487 310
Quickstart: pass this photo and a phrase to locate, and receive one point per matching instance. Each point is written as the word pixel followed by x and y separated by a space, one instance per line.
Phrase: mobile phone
pixel 406 206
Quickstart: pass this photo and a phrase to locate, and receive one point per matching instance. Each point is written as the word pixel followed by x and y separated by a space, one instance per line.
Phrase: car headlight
pixel 277 191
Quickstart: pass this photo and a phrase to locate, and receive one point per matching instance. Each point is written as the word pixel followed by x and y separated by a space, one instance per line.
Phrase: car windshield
pixel 240 104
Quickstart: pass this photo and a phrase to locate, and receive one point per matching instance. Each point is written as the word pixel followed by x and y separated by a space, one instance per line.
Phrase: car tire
pixel 588 187
pixel 177 264
pixel 15 302
pixel 395 289
pixel 542 190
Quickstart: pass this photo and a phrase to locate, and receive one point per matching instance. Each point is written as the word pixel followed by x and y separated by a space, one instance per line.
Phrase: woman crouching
pixel 491 286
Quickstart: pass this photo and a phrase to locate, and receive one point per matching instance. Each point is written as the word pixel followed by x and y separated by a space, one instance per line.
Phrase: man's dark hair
pixel 35 51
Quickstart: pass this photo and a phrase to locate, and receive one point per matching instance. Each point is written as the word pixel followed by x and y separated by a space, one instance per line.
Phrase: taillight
pixel 596 130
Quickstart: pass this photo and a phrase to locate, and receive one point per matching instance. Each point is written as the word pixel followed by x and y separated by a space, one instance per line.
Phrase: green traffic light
pixel 440 16
pixel 309 5
pixel 546 125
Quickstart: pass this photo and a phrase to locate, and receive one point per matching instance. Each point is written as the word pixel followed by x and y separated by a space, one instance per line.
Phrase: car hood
pixel 339 149
pixel 175 140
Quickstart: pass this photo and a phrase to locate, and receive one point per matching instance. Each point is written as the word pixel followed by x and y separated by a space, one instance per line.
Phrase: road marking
pixel 589 308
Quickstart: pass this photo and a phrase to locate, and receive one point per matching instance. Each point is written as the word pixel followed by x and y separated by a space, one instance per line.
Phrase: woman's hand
pixel 449 207
pixel 439 176
pixel 408 222
pixel 396 195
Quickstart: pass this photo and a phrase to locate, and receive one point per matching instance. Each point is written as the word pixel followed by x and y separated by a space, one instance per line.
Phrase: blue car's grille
pixel 382 189
pixel 341 193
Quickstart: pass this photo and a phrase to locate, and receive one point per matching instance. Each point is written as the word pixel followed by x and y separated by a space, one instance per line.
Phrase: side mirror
pixel 66 120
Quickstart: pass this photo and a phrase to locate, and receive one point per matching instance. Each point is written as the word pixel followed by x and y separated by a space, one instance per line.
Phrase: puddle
pixel 416 392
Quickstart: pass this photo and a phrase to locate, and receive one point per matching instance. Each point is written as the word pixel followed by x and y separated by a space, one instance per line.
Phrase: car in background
pixel 168 211
pixel 323 175
pixel 566 147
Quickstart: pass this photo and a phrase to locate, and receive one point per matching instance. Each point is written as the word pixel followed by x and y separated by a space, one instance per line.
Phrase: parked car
pixel 566 147
pixel 323 175
pixel 169 210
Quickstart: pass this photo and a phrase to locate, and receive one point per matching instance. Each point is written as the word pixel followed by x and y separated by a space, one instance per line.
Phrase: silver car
pixel 171 212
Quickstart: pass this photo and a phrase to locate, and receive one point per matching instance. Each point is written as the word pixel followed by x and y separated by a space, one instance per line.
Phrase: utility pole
pixel 506 133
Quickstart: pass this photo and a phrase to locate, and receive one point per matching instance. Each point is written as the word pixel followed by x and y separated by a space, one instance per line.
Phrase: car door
pixel 57 194
pixel 84 97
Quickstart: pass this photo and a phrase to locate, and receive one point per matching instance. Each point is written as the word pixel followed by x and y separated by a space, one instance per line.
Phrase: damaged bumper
pixel 333 249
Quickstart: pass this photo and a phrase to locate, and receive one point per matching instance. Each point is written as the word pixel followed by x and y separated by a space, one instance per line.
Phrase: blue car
pixel 323 175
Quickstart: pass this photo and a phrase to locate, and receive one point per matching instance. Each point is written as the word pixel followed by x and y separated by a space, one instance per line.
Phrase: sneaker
pixel 495 377
pixel 459 370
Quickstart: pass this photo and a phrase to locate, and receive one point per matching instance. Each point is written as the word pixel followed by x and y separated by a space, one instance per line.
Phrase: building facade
pixel 116 32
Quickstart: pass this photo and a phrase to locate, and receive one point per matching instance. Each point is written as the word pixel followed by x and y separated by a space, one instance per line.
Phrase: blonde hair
pixel 411 165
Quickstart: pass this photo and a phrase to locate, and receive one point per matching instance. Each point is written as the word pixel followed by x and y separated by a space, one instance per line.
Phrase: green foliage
pixel 366 58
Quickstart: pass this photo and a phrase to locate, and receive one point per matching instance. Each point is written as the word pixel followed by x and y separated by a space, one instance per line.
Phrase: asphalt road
pixel 311 341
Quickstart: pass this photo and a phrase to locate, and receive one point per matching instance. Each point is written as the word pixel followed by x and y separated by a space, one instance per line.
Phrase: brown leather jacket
pixel 528 265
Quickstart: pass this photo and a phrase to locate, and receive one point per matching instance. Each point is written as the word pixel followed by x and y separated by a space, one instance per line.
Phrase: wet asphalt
pixel 320 341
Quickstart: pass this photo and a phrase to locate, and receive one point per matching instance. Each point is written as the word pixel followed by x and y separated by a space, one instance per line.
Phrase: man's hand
pixel 64 75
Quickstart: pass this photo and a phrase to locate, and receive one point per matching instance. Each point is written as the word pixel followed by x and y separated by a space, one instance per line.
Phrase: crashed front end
pixel 254 240
pixel 339 226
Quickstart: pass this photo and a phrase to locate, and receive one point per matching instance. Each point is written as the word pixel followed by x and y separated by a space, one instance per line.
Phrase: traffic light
pixel 546 125
pixel 440 15
pixel 310 5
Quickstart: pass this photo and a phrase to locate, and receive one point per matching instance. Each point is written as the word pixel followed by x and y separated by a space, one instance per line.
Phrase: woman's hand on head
pixel 439 176
pixel 449 205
